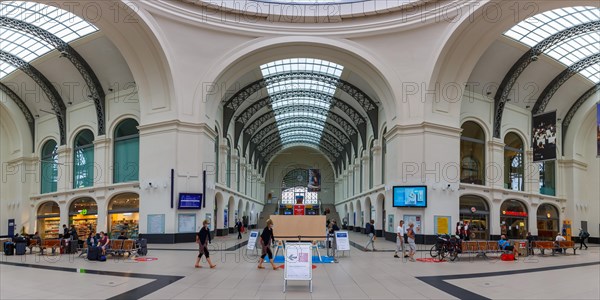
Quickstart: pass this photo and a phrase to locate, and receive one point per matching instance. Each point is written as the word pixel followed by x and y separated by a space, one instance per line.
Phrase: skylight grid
pixel 539 27
pixel 295 99
pixel 535 29
pixel 592 73
pixel 5 69
pixel 23 46
pixel 58 22
pixel 61 23
pixel 576 49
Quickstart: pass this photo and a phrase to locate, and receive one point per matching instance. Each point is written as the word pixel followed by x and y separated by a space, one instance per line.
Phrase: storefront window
pixel 513 162
pixel 48 218
pixel 123 215
pixel 547 222
pixel 472 154
pixel 513 219
pixel 83 213
pixel 83 160
pixel 126 152
pixel 547 176
pixel 475 211
pixel 49 167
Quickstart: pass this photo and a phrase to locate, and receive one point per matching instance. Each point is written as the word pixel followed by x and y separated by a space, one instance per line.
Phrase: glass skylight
pixel 539 27
pixel 61 23
pixel 294 98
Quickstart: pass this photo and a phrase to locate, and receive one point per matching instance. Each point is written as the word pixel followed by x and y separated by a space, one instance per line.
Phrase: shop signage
pixel 514 213
pixel 473 209
pixel 83 211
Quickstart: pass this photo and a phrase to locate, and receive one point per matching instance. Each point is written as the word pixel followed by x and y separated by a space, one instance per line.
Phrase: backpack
pixel 586 235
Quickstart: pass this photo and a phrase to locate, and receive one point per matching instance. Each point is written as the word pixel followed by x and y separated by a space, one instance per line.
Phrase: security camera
pixel 150 183
pixel 448 186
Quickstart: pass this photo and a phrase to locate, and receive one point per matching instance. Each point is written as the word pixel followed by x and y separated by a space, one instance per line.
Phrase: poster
pixel 598 128
pixel 415 219
pixel 156 223
pixel 314 180
pixel 390 224
pixel 298 261
pixel 186 223
pixel 442 224
pixel 298 210
pixel 544 136
pixel 252 240
pixel 341 241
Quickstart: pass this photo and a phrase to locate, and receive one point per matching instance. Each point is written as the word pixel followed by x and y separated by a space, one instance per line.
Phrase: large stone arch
pixel 249 56
pixel 140 41
pixel 472 34
pixel 218 211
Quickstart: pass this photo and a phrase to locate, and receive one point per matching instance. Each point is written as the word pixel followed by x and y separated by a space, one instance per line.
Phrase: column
pixel 356 176
pixel 223 148
pixel 365 173
pixel 65 169
pixel 376 152
pixel 235 173
pixel 102 166
pixel 243 176
pixel 494 166
pixel 532 174
pixel 350 180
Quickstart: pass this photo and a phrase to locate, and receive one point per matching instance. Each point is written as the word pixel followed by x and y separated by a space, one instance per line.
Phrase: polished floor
pixel 358 275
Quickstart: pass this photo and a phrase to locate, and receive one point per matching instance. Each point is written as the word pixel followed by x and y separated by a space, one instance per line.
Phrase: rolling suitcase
pixel 9 248
pixel 72 247
pixel 142 247
pixel 93 253
pixel 20 248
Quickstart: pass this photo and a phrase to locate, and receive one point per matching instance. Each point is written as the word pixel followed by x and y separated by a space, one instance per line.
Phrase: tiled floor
pixel 358 275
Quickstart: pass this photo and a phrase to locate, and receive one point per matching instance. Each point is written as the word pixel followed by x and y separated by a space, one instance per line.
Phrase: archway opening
pixel 513 219
pixel 475 212
pixel 123 215
pixel 83 213
pixel 48 220
pixel 548 221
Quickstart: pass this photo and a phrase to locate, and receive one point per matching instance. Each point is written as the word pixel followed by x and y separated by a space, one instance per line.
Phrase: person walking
pixel 400 232
pixel 203 239
pixel 370 230
pixel 265 240
pixel 582 236
pixel 238 225
pixel 410 232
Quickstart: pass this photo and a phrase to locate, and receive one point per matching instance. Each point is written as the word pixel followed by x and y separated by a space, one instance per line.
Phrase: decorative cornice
pixel 424 127
pixel 177 126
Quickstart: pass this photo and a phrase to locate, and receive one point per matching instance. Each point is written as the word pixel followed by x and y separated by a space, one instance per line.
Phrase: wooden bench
pixel 129 248
pixel 481 248
pixel 33 243
pixel 115 247
pixel 553 246
pixel 52 244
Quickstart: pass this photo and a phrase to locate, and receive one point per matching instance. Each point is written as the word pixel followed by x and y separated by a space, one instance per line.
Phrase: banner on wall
pixel 314 180
pixel 543 136
pixel 598 128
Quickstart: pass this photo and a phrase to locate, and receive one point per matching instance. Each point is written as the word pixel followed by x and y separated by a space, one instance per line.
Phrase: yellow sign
pixel 567 231
pixel 442 225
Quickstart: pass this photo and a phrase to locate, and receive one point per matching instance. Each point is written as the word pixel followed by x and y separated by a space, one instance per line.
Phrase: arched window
pixel 83 159
pixel 513 162
pixel 472 153
pixel 126 152
pixel 49 172
pixel 547 178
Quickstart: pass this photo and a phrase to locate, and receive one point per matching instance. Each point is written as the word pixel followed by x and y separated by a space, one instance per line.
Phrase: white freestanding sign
pixel 252 240
pixel 298 263
pixel 341 241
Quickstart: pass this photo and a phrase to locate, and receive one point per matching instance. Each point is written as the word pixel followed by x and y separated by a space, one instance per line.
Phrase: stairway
pixel 267 211
pixel 333 214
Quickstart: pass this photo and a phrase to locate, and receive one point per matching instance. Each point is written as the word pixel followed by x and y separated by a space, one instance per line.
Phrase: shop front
pixel 547 222
pixel 123 215
pixel 475 211
pixel 513 219
pixel 83 213
pixel 48 220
